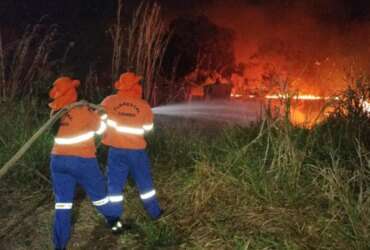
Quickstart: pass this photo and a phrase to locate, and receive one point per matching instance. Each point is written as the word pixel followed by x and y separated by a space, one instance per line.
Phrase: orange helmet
pixel 128 85
pixel 127 81
pixel 63 92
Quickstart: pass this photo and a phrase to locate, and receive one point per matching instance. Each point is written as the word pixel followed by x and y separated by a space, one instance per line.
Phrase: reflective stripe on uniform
pixel 147 195
pixel 83 137
pixel 76 139
pixel 101 202
pixel 124 129
pixel 102 128
pixel 60 205
pixel 115 198
pixel 148 127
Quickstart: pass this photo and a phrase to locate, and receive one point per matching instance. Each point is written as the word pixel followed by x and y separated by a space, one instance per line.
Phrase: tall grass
pixel 25 64
pixel 117 34
pixel 2 69
pixel 141 48
pixel 21 120
pixel 274 185
pixel 147 41
pixel 92 89
pixel 268 186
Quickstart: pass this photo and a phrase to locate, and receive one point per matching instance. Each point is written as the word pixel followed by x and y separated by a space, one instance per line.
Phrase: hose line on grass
pixel 8 165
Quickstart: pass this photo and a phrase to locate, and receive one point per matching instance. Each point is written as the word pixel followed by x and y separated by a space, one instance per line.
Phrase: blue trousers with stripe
pixel 67 172
pixel 136 163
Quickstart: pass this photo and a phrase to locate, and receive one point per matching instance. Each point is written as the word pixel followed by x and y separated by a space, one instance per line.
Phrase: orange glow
pixel 366 106
pixel 236 95
pixel 302 97
pixel 306 97
pixel 309 114
pixel 306 110
pixel 294 47
pixel 298 97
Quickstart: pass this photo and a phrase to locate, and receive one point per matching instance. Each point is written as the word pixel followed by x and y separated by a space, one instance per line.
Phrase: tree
pixel 197 43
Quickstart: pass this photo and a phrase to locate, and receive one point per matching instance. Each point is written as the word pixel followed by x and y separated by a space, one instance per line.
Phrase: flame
pixel 294 44
pixel 306 111
pixel 236 95
pixel 302 97
pixel 298 97
pixel 366 106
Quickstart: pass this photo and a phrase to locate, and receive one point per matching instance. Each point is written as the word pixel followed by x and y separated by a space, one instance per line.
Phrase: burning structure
pixel 308 49
pixel 313 49
pixel 304 46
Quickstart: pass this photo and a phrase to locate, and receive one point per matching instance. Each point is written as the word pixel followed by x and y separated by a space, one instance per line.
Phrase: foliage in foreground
pixel 270 186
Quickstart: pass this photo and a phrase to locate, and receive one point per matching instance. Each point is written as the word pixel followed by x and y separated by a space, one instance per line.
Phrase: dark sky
pixel 86 21
pixel 20 12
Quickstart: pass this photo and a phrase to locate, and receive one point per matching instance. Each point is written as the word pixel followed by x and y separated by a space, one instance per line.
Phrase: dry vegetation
pixel 25 64
pixel 268 186
pixel 143 49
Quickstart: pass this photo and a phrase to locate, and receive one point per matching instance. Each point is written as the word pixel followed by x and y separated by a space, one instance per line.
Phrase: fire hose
pixel 55 117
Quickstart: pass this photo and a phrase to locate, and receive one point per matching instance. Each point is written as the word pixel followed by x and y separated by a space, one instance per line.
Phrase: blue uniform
pixel 121 164
pixel 67 172
pixel 129 118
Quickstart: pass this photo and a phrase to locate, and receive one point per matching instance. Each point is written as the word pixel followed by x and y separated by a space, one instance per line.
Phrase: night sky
pixel 73 15
pixel 21 12
pixel 86 22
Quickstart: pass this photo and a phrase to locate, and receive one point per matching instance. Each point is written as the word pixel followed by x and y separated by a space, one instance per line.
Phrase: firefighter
pixel 129 117
pixel 73 159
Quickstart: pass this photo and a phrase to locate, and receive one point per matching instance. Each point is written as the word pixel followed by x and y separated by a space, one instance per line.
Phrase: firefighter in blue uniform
pixel 73 160
pixel 129 117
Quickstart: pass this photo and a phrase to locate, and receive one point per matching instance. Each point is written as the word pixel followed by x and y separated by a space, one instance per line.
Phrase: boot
pixel 116 227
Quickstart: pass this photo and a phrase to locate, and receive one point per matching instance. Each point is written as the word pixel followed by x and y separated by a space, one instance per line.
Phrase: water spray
pixel 231 111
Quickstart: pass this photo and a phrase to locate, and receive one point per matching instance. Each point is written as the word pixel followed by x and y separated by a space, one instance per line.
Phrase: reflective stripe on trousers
pixel 60 205
pixel 147 195
pixel 101 202
pixel 115 198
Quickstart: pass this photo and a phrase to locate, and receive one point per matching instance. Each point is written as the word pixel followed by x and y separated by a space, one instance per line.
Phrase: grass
pixel 25 63
pixel 147 41
pixel 268 186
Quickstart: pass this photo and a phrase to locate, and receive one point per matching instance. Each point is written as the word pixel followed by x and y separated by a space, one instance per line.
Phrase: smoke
pixel 314 46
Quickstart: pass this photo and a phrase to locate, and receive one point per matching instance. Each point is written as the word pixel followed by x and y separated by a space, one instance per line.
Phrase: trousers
pixel 134 163
pixel 66 173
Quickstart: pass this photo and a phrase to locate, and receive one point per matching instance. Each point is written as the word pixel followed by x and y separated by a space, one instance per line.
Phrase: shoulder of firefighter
pixel 76 132
pixel 128 121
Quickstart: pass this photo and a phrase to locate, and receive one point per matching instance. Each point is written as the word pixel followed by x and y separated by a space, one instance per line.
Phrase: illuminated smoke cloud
pixel 300 43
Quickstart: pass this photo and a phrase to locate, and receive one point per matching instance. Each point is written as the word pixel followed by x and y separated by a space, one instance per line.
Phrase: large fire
pixel 296 50
pixel 296 45
pixel 366 106
pixel 300 97
pixel 305 109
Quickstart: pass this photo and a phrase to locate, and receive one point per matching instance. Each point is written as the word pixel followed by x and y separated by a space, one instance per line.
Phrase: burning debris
pixel 295 44
pixel 366 106
pixel 281 50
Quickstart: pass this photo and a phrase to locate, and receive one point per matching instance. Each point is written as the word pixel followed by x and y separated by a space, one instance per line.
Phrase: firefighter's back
pixel 127 119
pixel 76 132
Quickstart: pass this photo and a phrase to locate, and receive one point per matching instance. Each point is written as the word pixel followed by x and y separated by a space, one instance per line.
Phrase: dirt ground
pixel 27 220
